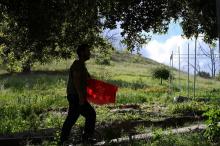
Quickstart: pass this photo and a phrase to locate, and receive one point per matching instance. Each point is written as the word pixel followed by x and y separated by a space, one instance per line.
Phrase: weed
pixel 213 130
pixel 187 108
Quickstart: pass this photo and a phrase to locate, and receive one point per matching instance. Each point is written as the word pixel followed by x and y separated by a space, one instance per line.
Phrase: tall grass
pixel 33 101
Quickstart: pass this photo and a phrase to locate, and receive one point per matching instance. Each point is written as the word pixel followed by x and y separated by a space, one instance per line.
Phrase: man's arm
pixel 80 86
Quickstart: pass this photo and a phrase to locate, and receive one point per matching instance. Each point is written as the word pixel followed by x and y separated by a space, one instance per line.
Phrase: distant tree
pixel 210 54
pixel 203 74
pixel 161 73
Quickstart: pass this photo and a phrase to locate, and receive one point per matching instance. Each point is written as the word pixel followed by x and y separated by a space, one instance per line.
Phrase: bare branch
pixel 111 37
pixel 204 51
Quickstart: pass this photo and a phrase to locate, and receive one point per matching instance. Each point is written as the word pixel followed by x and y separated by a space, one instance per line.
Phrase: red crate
pixel 100 92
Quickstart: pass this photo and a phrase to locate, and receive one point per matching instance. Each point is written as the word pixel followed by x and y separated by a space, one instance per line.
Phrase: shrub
pixel 161 73
pixel 103 53
pixel 218 77
pixel 203 74
pixel 212 132
pixel 188 108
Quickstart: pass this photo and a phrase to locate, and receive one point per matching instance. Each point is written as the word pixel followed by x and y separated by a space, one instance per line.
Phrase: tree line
pixel 39 30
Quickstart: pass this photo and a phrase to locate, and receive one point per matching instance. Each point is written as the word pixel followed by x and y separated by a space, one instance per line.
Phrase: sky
pixel 161 47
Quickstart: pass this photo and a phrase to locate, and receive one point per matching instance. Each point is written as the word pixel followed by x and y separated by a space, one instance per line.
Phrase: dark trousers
pixel 75 110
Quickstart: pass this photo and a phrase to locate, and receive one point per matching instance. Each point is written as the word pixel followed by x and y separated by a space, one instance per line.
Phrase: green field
pixel 30 102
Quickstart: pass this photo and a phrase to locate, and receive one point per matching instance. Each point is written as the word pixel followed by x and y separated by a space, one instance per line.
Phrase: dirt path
pixel 192 128
pixel 115 130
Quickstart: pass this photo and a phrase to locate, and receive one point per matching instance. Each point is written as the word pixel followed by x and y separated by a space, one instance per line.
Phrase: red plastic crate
pixel 100 92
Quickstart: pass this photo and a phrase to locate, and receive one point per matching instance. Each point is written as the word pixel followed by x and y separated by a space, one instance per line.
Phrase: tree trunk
pixel 161 81
pixel 26 67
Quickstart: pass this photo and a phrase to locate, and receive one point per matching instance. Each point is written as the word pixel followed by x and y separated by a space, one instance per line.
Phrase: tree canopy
pixel 34 30
pixel 195 17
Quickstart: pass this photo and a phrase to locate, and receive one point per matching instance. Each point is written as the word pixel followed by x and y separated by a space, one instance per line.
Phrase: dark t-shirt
pixel 84 75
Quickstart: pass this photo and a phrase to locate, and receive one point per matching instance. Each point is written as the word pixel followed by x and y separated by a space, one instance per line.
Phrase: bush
pixel 103 53
pixel 9 62
pixel 212 132
pixel 203 74
pixel 218 77
pixel 185 108
pixel 161 73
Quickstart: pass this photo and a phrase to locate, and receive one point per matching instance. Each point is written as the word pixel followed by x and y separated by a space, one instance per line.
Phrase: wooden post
pixel 218 23
pixel 194 81
pixel 188 74
pixel 179 69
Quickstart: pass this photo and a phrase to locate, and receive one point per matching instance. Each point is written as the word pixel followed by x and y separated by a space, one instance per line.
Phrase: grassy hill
pixel 37 100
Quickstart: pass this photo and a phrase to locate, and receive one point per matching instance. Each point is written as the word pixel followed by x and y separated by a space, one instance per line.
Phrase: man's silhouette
pixel 76 95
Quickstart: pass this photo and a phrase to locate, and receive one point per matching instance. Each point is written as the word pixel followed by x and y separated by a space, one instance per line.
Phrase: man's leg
pixel 72 116
pixel 89 113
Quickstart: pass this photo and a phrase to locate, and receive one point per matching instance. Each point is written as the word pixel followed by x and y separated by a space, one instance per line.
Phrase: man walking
pixel 76 95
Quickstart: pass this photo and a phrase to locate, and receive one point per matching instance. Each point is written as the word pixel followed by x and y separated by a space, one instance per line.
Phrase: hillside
pixel 37 101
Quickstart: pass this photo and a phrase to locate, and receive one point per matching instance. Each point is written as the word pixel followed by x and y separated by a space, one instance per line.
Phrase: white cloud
pixel 161 52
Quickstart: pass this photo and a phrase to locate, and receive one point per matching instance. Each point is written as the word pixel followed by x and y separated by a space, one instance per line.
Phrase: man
pixel 76 95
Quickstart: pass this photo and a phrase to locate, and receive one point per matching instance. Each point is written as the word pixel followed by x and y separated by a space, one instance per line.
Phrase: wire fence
pixel 191 63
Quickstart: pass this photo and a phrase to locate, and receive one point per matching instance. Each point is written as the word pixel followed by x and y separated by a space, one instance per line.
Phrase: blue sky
pixel 174 29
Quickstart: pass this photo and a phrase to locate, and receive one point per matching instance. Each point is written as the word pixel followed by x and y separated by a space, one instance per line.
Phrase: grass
pixel 190 139
pixel 33 101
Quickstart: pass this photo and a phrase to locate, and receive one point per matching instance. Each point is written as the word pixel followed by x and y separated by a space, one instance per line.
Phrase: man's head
pixel 83 52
